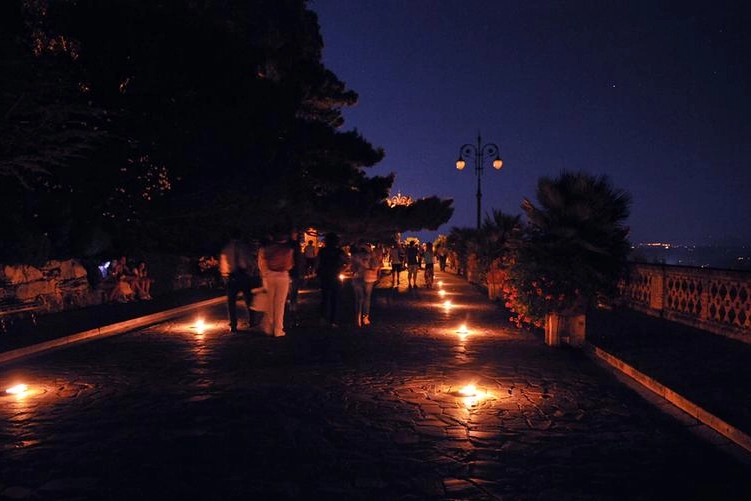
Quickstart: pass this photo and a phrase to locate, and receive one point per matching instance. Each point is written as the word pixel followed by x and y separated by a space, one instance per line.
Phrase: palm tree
pixel 498 237
pixel 575 247
pixel 463 241
pixel 492 241
pixel 498 234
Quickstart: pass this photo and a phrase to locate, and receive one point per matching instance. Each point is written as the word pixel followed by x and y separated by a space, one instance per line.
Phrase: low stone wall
pixel 717 301
pixel 53 287
pixel 64 284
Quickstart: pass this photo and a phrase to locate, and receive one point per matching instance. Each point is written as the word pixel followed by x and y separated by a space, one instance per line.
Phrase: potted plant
pixel 574 248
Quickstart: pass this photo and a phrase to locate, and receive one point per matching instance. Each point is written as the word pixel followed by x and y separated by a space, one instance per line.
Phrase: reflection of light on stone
pixel 471 396
pixel 200 326
pixel 471 401
pixel 19 389
pixel 442 293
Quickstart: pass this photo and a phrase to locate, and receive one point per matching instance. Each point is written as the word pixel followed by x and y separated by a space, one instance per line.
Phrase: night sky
pixel 654 94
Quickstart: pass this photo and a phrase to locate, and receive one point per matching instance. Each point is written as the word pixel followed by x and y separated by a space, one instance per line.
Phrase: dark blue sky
pixel 654 94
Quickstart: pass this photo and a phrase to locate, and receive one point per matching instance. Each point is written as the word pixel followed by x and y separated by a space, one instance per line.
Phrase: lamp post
pixel 479 151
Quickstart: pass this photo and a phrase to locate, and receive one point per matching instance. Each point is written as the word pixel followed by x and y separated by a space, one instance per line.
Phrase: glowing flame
pixel 18 389
pixel 200 326
pixel 442 293
pixel 447 304
pixel 463 329
pixel 440 284
pixel 469 391
pixel 341 277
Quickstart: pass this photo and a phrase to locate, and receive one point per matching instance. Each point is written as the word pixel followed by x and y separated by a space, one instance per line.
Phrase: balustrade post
pixel 704 300
pixel 657 291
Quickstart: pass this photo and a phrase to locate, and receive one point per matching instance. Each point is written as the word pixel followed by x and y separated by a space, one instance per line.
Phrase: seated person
pixel 143 282
pixel 123 279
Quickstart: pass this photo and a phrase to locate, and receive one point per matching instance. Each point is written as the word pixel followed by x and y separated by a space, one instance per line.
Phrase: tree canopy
pixel 142 124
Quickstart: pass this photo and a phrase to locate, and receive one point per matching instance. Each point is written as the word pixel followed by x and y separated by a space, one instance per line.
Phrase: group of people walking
pixel 269 279
pixel 269 276
pixel 267 273
pixel 412 258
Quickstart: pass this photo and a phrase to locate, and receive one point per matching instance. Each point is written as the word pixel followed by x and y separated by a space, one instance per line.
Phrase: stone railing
pixel 714 300
pixel 718 301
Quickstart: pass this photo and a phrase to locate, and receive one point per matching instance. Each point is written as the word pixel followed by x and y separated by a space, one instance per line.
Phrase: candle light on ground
pixel 18 389
pixel 200 326
pixel 469 390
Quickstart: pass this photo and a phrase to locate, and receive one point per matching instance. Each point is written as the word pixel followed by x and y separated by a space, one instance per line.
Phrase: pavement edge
pixel 708 419
pixel 107 330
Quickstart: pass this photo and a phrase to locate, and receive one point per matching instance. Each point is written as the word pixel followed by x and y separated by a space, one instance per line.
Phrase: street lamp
pixel 479 152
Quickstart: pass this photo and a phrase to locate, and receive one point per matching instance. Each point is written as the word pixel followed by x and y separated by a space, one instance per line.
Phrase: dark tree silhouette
pixel 576 246
pixel 199 116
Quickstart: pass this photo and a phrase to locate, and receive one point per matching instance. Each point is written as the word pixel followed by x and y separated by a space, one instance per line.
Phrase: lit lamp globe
pixel 497 163
pixel 460 164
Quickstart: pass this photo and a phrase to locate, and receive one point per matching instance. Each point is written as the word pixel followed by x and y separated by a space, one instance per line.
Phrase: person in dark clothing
pixel 412 256
pixel 442 253
pixel 331 262
pixel 235 265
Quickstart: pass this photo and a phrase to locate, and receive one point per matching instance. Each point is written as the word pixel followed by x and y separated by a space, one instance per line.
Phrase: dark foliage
pixel 575 249
pixel 159 125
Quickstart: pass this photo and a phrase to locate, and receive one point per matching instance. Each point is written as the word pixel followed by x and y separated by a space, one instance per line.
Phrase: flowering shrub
pixel 531 294
pixel 574 248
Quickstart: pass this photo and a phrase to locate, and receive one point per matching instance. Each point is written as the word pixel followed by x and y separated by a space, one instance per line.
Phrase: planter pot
pixel 569 329
pixel 553 329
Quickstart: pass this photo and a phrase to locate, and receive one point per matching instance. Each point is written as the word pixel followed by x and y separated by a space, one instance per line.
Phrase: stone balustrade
pixel 714 300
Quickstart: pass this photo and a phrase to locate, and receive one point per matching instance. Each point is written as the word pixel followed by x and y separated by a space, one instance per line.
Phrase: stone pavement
pixel 165 412
pixel 712 371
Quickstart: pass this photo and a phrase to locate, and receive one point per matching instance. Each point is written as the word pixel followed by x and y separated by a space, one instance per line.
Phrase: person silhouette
pixel 235 263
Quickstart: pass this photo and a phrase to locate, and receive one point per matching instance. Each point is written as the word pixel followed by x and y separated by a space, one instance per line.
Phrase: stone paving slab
pixel 712 371
pixel 24 332
pixel 374 413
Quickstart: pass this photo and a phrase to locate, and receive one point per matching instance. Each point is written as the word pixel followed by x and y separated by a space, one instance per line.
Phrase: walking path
pixel 166 412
